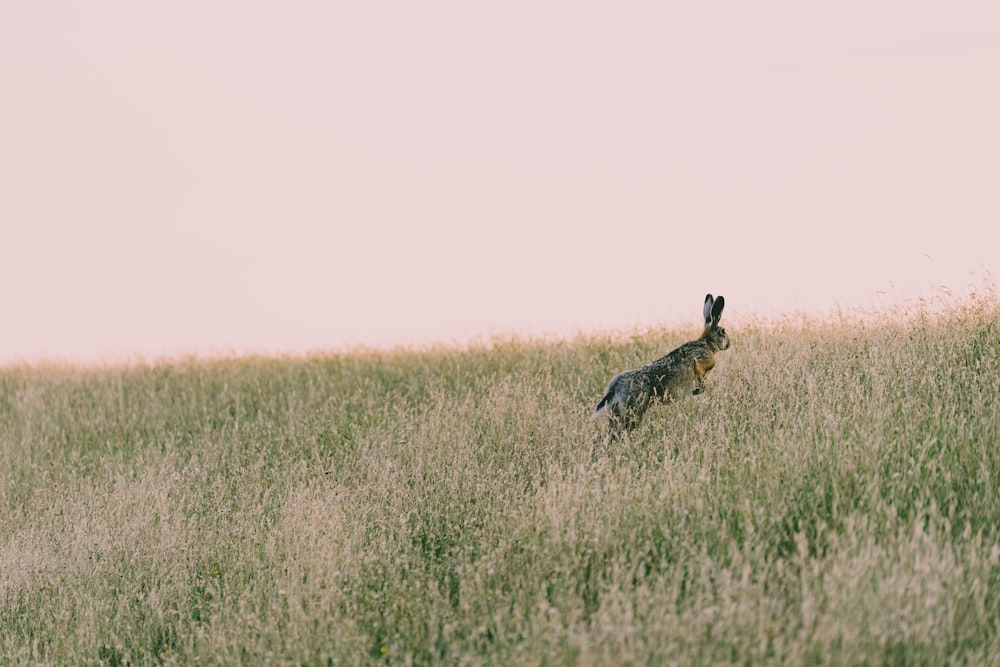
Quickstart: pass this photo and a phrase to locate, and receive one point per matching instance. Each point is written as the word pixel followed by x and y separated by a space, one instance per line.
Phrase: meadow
pixel 832 498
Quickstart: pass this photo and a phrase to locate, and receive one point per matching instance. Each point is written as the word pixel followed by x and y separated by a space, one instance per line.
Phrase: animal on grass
pixel 678 374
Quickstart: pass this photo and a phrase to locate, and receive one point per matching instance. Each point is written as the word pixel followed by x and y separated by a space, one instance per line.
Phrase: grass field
pixel 832 498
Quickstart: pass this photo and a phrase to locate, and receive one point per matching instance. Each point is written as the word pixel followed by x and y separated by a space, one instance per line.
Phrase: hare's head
pixel 713 333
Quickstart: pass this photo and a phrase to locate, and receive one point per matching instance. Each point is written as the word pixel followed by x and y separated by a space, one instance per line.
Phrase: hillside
pixel 832 498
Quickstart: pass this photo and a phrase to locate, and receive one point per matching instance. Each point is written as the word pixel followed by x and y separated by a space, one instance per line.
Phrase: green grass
pixel 831 499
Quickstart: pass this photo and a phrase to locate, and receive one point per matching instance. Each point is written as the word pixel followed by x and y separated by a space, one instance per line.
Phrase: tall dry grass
pixel 833 498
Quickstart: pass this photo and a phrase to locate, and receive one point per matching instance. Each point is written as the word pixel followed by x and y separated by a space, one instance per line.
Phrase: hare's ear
pixel 707 311
pixel 717 307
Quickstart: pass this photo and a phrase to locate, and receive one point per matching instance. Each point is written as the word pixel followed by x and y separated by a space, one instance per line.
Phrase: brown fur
pixel 681 372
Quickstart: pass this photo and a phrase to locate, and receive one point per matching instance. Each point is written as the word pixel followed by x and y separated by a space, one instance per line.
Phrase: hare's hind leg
pixel 625 402
pixel 622 419
pixel 632 412
pixel 619 425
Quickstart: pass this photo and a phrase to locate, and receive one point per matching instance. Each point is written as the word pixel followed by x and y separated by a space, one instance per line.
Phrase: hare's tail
pixel 604 405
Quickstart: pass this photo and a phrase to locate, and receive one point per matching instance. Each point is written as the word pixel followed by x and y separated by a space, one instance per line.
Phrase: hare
pixel 681 372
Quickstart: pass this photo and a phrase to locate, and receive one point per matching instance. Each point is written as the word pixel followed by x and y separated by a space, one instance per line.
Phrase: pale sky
pixel 260 176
